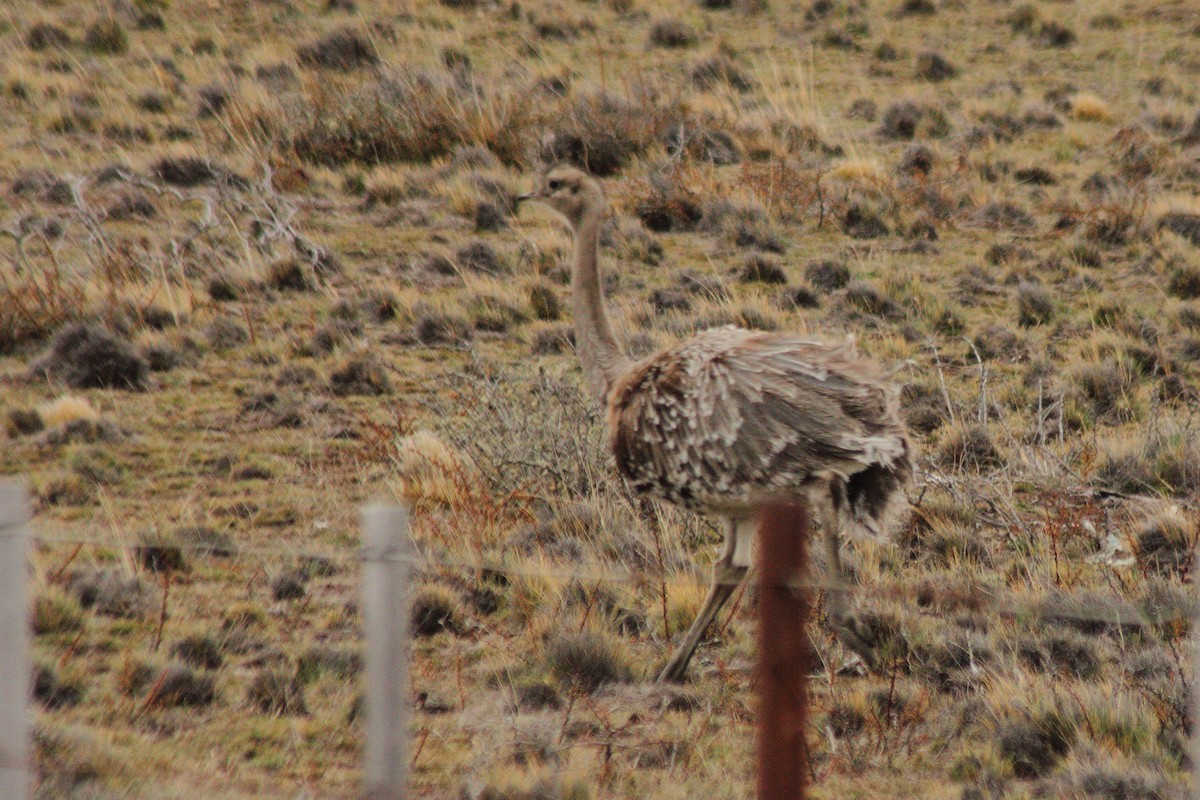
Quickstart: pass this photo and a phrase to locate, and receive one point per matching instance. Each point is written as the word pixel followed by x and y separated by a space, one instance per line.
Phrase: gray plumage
pixel 732 419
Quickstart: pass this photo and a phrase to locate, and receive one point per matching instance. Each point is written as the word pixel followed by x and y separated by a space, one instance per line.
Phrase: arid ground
pixel 260 263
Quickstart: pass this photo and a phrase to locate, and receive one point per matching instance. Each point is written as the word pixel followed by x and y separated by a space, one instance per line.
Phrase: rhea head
pixel 569 191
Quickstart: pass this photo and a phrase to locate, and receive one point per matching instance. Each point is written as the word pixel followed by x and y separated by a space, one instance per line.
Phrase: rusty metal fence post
pixel 783 653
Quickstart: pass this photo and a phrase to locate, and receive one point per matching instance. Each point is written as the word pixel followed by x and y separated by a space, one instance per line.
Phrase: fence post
pixel 1195 703
pixel 783 653
pixel 386 621
pixel 15 669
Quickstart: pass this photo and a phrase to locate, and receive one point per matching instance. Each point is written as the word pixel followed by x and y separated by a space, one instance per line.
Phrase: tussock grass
pixel 414 116
pixel 238 205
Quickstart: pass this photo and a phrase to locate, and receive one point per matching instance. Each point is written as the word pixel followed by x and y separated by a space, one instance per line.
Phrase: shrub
pixel 762 269
pixel 180 685
pixel 274 692
pixel 344 49
pixel 479 256
pixel 108 592
pixel 435 609
pixel 1183 224
pixel 1184 282
pixel 720 70
pixel 673 33
pixel 866 298
pixel 969 446
pixel 360 375
pixel 226 333
pixel 106 36
pixel 603 132
pixel 418 116
pixel 545 303
pixel 827 276
pixel 289 275
pixel 159 554
pixel 56 612
pixel 52 689
pixel 1034 747
pixel 586 661
pixel 1106 387
pixel 1035 305
pixel 1166 543
pixel 906 119
pixel 934 67
pixel 86 356
pixel 202 650
pixel 322 659
pixel 45 35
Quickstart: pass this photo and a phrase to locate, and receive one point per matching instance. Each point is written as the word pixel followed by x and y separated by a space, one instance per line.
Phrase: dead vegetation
pixel 255 272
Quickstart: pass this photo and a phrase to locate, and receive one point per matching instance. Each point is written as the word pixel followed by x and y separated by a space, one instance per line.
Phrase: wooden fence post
pixel 783 653
pixel 15 670
pixel 387 555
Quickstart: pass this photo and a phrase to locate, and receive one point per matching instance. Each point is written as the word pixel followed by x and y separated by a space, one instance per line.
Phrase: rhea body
pixel 730 419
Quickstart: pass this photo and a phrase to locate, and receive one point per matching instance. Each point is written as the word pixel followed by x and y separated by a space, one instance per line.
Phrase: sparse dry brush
pixel 259 266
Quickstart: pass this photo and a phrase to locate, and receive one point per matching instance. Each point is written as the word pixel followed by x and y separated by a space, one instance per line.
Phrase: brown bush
pixel 417 116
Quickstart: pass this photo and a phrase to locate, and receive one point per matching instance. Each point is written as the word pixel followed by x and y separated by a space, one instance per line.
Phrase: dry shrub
pixel 527 431
pixel 1090 108
pixel 907 120
pixel 1165 459
pixel 967 445
pixel 1035 746
pixel 1166 542
pixel 344 49
pixel 416 116
pixel 712 72
pixel 1107 388
pixel 672 33
pixel 587 660
pixel 1182 223
pixel 603 132
pixel 85 356
pixel 669 203
pixel 1035 305
pixel 34 303
pixel 106 37
pixel 436 609
pixel 277 693
pixel 789 193
pixel 430 469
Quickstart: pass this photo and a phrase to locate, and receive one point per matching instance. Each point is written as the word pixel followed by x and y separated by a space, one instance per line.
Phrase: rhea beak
pixel 523 197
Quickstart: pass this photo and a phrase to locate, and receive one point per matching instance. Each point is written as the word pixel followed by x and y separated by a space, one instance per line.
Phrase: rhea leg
pixel 849 630
pixel 728 573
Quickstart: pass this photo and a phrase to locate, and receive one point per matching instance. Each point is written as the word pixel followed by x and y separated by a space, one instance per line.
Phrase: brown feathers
pixel 732 418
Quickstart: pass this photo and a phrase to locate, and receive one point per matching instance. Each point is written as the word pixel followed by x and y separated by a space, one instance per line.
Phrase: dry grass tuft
pixel 586 660
pixel 67 409
pixel 344 49
pixel 417 116
pixel 430 469
pixel 1090 108
pixel 436 609
pixel 274 692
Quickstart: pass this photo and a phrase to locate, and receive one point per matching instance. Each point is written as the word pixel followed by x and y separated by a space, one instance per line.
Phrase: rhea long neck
pixel 597 345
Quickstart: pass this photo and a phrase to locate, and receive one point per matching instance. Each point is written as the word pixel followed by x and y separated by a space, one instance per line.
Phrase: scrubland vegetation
pixel 260 262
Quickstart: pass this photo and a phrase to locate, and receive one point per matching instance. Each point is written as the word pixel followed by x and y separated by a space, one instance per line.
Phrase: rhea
pixel 731 419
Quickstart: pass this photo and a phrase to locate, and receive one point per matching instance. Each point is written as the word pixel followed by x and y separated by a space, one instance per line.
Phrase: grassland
pixel 288 228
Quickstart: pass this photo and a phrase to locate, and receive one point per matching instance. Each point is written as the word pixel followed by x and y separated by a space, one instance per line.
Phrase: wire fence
pixel 978 599
pixel 396 562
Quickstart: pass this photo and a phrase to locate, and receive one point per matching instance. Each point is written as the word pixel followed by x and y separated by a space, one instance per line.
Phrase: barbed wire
pixel 974 600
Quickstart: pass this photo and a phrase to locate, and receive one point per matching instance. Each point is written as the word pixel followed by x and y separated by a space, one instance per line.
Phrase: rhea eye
pixel 554 185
